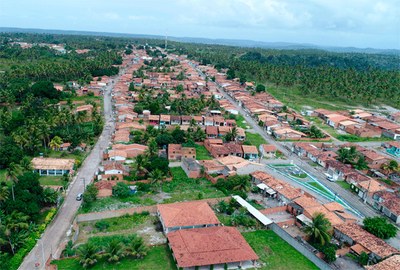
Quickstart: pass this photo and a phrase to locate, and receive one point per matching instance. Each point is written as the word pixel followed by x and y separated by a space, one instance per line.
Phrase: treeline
pixel 351 77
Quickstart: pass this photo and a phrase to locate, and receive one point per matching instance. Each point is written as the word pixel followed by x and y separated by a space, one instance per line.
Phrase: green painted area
pixel 158 257
pixel 255 139
pixel 202 153
pixel 320 188
pixel 275 252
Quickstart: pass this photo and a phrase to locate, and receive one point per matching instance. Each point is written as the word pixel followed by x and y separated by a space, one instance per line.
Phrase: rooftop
pixel 52 163
pixel 207 246
pixel 390 263
pixel 187 214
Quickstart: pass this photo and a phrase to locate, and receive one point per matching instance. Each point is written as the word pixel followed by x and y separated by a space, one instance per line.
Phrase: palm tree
pixel 4 192
pixel 88 254
pixel 152 149
pixel 55 143
pixel 318 229
pixel 141 163
pixel 156 178
pixel 12 173
pixel 50 196
pixel 114 251
pixel 231 135
pixel 136 248
pixel 26 164
pixel 12 225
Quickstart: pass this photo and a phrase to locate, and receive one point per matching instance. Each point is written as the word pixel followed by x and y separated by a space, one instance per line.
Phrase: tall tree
pixel 318 229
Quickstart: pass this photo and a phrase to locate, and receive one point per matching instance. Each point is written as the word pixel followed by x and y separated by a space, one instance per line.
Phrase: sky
pixel 357 23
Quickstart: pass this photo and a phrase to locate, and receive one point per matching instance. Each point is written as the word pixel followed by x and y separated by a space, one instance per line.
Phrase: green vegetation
pixel 275 252
pixel 319 187
pixel 51 180
pixel 3 174
pixel 240 121
pixel 182 188
pixel 254 139
pixel 202 153
pixel 344 185
pixel 302 175
pixel 354 138
pixel 125 222
pixel 158 257
pixel 380 227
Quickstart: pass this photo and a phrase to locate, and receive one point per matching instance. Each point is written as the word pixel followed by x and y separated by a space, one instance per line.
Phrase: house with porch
pixel 250 152
pixel 53 166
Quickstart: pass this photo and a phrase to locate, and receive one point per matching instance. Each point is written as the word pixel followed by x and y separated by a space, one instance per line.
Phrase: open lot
pixel 202 153
pixel 275 252
pixel 181 188
pixel 158 257
pixel 254 139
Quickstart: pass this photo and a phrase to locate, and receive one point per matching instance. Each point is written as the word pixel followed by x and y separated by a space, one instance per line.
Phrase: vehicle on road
pixel 79 197
pixel 329 178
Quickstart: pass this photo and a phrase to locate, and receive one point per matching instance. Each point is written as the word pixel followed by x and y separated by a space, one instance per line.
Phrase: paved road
pixel 56 232
pixel 354 201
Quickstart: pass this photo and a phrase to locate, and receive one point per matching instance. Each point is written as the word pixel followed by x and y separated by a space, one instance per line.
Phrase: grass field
pixel 241 122
pixel 293 98
pixel 202 153
pixel 344 184
pixel 182 188
pixel 51 180
pixel 158 257
pixel 255 139
pixel 275 252
pixel 118 223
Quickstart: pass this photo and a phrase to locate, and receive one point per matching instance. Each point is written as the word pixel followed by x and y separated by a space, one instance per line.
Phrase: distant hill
pixel 229 42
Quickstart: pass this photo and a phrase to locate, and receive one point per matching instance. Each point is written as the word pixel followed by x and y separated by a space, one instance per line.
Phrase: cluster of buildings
pixel 360 123
pixel 197 239
pixel 379 195
pixel 302 207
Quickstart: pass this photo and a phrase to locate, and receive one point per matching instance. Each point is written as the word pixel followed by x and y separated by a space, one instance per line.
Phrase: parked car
pixel 79 197
pixel 329 178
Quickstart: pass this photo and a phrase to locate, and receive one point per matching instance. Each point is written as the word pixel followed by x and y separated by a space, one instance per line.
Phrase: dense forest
pixel 349 77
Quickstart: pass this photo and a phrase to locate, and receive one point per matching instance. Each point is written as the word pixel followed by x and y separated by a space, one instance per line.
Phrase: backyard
pixel 275 252
pixel 51 180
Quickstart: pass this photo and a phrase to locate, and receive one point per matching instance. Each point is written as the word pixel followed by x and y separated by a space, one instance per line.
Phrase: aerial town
pixel 150 152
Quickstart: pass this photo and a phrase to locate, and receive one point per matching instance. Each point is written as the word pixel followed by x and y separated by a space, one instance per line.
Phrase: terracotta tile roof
pixel 206 246
pixel 390 263
pixel 390 200
pixel 211 130
pixel 367 240
pixel 187 214
pixel 249 149
pixel 372 186
pixel 268 148
pixel 305 202
pixel 52 163
pixel 334 206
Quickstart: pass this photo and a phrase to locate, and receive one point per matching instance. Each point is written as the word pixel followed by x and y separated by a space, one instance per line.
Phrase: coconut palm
pixel 12 173
pixel 4 193
pixel 88 254
pixel 136 248
pixel 13 225
pixel 114 251
pixel 156 178
pixel 55 143
pixel 318 229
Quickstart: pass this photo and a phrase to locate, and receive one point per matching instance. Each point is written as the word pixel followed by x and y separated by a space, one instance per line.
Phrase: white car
pixel 329 178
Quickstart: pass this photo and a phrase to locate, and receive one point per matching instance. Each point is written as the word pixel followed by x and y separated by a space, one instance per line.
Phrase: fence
pixel 300 247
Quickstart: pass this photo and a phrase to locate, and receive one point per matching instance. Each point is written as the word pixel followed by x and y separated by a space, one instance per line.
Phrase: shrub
pixel 380 227
pixel 363 258
pixel 121 190
pixel 102 225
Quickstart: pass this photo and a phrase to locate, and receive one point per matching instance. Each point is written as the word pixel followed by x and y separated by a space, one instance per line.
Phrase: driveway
pixel 57 230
